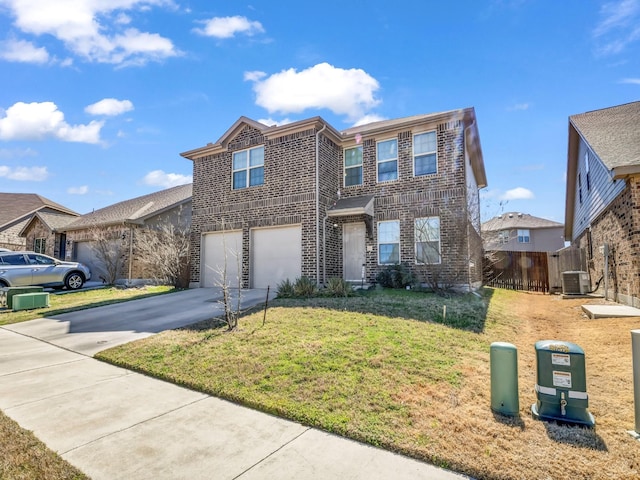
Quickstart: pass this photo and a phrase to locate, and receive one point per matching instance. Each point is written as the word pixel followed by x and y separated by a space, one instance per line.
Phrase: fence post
pixel 635 350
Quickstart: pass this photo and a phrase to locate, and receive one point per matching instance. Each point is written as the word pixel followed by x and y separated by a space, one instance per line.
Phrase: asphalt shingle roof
pixel 613 133
pixel 512 220
pixel 135 209
pixel 14 206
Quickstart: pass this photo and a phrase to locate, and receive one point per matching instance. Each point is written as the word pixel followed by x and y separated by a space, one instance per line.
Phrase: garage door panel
pixel 214 246
pixel 85 253
pixel 276 254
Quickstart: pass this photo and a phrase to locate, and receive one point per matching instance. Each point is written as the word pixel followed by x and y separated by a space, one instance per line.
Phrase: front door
pixel 353 248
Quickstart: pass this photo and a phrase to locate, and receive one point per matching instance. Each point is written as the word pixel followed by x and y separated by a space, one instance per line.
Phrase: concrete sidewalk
pixel 113 423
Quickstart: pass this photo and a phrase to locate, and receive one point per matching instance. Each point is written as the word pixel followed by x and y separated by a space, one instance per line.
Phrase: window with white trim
pixel 389 242
pixel 503 236
pixel 424 154
pixel 427 238
pixel 387 160
pixel 353 166
pixel 40 245
pixel 248 168
pixel 523 236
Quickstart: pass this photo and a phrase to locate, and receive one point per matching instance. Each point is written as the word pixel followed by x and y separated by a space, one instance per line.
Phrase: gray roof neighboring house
pixel 613 135
pixel 136 210
pixel 514 220
pixel 16 206
pixel 53 221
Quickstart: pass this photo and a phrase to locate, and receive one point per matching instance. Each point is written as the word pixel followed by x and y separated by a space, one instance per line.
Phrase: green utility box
pixel 504 378
pixel 11 292
pixel 28 301
pixel 561 386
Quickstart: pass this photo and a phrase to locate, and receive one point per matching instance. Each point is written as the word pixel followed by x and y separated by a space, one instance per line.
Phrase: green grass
pixel 71 301
pixel 344 365
pixel 24 457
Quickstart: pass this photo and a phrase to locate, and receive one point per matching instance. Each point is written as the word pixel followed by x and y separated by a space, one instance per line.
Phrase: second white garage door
pixel 276 254
pixel 213 258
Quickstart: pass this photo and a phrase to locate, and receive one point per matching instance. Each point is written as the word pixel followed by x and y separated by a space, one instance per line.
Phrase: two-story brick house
pixel 303 199
pixel 602 213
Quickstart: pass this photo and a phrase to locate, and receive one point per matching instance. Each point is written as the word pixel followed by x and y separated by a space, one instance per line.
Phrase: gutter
pixel 318 203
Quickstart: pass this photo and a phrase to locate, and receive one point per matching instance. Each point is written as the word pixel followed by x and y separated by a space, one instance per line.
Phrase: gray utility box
pixel 561 388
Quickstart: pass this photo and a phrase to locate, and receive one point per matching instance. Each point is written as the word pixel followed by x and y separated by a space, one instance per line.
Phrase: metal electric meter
pixel 561 388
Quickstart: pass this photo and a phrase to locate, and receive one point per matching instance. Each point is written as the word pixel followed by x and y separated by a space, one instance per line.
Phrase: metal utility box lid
pixel 558 346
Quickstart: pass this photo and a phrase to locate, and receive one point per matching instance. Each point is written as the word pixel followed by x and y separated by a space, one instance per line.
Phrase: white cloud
pixel 344 92
pixel 83 190
pixel 37 121
pixel 369 118
pixel 93 29
pixel 162 179
pixel 254 76
pixel 14 50
pixel 109 107
pixel 32 174
pixel 632 81
pixel 518 193
pixel 519 107
pixel 227 27
pixel 274 123
pixel 619 26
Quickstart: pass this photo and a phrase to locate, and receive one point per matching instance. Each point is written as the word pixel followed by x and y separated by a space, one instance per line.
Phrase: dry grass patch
pixel 376 369
pixel 24 457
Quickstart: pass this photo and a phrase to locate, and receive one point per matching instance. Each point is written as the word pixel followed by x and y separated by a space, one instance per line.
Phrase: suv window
pixel 40 260
pixel 14 259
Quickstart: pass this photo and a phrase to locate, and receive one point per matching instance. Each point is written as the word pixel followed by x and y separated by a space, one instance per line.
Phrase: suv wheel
pixel 74 281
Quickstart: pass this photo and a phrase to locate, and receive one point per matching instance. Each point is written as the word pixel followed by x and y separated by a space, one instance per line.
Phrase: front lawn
pixel 64 302
pixel 399 370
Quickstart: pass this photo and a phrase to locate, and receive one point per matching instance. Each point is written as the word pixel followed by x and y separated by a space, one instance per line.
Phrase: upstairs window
pixel 387 160
pixel 424 154
pixel 248 168
pixel 353 166
pixel 40 245
pixel 503 236
pixel 427 237
pixel 523 236
pixel 389 242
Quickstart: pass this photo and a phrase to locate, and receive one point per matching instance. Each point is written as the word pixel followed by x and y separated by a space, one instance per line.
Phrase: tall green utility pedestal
pixel 561 388
pixel 504 378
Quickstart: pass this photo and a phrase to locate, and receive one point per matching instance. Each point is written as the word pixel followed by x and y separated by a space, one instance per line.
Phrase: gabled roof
pixel 136 210
pixel 511 220
pixel 613 135
pixel 466 115
pixel 53 221
pixel 15 206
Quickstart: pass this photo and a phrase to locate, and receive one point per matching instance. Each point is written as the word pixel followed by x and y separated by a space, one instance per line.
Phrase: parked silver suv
pixel 28 268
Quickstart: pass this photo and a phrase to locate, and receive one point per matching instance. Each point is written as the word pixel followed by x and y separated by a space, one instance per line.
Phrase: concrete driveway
pixel 90 331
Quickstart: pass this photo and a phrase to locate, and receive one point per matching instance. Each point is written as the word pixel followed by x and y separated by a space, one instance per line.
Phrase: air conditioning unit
pixel 575 283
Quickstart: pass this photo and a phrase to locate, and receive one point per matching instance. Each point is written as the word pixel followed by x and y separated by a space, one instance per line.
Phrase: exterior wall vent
pixel 575 283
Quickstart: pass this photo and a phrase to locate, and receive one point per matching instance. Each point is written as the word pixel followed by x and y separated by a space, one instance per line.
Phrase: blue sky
pixel 99 97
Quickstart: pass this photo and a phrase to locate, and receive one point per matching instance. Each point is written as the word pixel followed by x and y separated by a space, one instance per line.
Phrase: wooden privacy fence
pixel 517 270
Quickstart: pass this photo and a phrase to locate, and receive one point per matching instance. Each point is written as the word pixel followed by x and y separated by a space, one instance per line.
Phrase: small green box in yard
pixel 11 292
pixel 562 384
pixel 27 301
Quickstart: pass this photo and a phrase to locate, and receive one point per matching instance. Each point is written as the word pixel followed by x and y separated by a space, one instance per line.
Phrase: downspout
pixel 324 250
pixel 130 255
pixel 318 204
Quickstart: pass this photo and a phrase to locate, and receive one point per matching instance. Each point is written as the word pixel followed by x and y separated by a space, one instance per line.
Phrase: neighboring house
pixel 521 232
pixel 603 197
pixel 43 233
pixel 117 225
pixel 304 199
pixel 18 209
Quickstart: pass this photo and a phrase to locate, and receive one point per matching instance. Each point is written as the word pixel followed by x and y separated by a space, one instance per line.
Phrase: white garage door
pixel 276 254
pixel 84 253
pixel 213 258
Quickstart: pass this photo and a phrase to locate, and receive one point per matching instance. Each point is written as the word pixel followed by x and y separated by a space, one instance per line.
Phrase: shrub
pixel 304 287
pixel 337 287
pixel 395 276
pixel 285 289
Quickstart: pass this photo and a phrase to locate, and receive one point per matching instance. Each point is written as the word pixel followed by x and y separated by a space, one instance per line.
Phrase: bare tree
pixel 164 249
pixel 110 249
pixel 231 314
